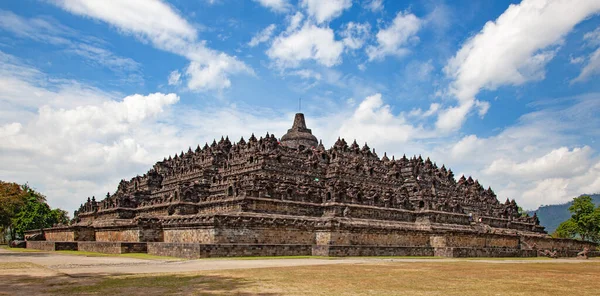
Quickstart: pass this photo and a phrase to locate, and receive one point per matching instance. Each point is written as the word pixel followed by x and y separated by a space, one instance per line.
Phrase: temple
pixel 292 196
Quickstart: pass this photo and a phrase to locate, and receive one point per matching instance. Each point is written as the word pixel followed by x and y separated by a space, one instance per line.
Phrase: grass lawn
pixel 414 278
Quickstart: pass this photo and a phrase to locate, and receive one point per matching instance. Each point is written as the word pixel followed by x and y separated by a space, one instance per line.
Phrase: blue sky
pixel 92 92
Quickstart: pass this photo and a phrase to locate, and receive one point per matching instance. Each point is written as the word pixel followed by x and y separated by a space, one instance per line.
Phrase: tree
pixel 22 208
pixel 11 199
pixel 584 221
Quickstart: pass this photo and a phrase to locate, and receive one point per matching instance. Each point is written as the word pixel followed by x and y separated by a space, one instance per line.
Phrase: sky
pixel 92 92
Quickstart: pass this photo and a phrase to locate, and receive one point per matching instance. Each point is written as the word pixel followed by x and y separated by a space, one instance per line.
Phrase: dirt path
pixel 74 265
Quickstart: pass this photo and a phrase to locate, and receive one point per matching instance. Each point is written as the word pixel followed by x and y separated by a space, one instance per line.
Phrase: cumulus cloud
pixel 395 39
pixel 310 42
pixel 355 34
pixel 558 163
pixel 158 23
pixel 511 50
pixel 374 122
pixel 324 11
pixel 279 6
pixel 262 36
pixel 538 160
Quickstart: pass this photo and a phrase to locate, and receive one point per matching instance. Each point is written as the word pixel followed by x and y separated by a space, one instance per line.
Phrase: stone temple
pixel 270 197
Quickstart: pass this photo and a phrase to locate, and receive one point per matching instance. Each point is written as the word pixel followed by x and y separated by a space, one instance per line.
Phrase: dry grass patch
pixel 420 278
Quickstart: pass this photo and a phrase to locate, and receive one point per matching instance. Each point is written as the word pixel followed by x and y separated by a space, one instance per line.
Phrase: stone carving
pixel 548 253
pixel 309 179
pixel 583 254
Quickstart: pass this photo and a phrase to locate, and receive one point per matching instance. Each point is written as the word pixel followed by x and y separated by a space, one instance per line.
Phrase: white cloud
pixel 295 21
pixel 307 74
pixel 394 39
pixel 592 67
pixel 511 50
pixel 373 5
pixel 174 78
pixel 156 22
pixel 592 38
pixel 262 36
pixel 104 57
pixel 279 6
pixel 373 122
pixel 324 11
pixel 540 159
pixel 355 34
pixel 70 41
pixel 308 43
pixel 433 108
pixel 558 163
pixel 576 60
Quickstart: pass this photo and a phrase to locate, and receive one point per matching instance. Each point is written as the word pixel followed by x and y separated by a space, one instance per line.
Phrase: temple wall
pixel 273 235
pixel 481 241
pixel 189 235
pixel 345 251
pixel 369 212
pixel 112 247
pixel 196 250
pixel 217 207
pixel 52 246
pixel 379 238
pixel 60 236
pixel 118 235
pixel 565 247
pixel 273 206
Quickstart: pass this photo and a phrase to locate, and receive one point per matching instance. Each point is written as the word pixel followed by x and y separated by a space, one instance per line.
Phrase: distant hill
pixel 552 215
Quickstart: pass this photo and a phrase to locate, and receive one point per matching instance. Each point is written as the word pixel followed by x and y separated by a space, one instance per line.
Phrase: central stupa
pixel 264 197
pixel 299 136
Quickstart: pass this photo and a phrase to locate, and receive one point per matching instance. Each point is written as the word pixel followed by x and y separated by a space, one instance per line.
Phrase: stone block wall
pixel 345 251
pixel 372 212
pixel 52 246
pixel 118 235
pixel 390 237
pixel 274 206
pixel 151 233
pixel 565 247
pixel 484 252
pixel 264 235
pixel 460 240
pixel 112 247
pixel 60 235
pixel 195 250
pixel 85 234
pixel 41 245
pixel 189 235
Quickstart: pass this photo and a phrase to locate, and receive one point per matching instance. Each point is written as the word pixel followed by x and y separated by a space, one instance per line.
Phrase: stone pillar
pixel 323 241
pixel 440 246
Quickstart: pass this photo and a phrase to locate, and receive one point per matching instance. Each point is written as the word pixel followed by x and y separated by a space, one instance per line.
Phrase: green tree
pixel 584 221
pixel 22 208
pixel 11 199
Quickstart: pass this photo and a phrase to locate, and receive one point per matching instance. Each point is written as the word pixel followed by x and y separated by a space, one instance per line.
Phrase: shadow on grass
pixel 165 284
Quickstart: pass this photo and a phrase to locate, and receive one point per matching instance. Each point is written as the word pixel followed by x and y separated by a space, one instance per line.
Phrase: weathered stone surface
pixel 52 246
pixel 267 197
pixel 196 250
pixel 112 247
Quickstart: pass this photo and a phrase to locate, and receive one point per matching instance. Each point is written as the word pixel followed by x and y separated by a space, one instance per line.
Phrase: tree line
pixel 22 208
pixel 584 223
